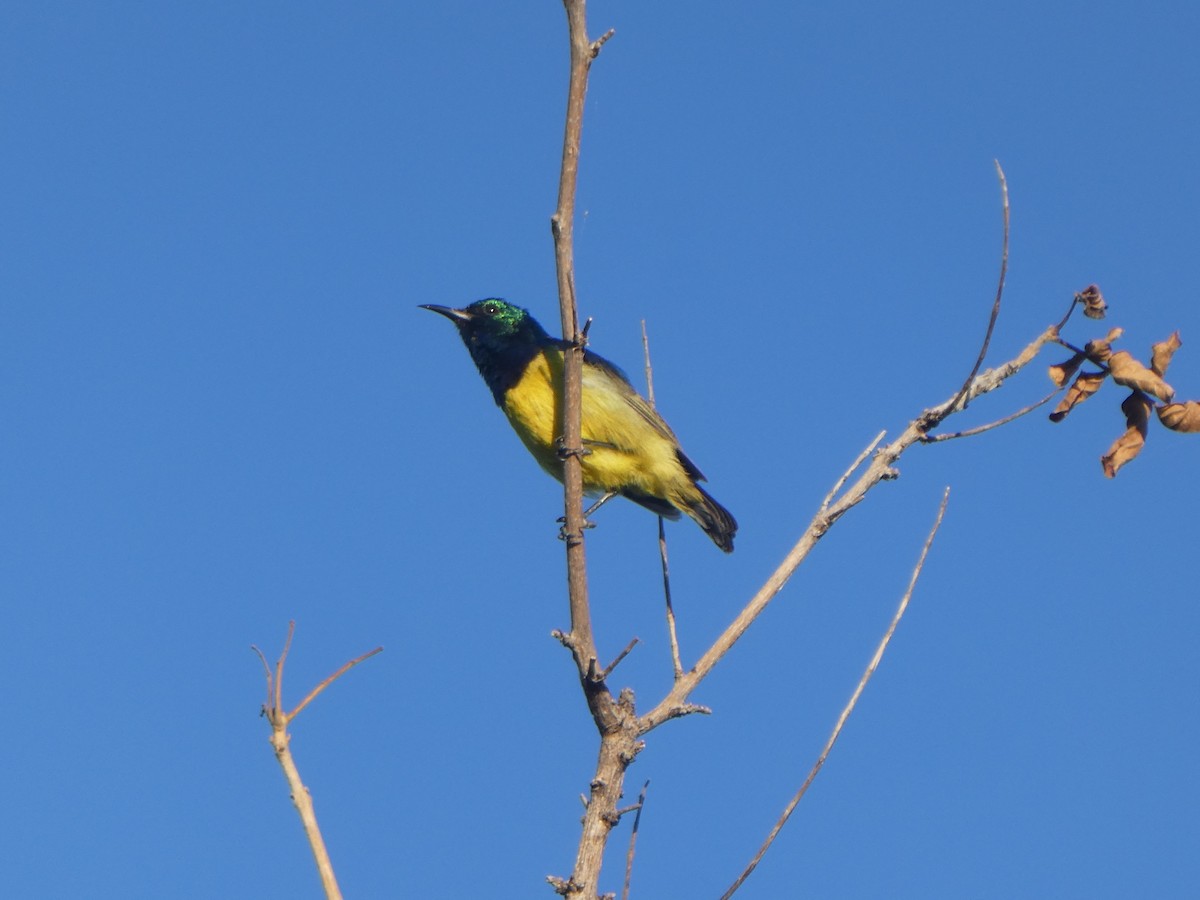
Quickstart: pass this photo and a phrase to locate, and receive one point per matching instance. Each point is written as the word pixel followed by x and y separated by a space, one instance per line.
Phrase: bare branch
pixel 562 226
pixel 879 469
pixel 849 708
pixel 614 718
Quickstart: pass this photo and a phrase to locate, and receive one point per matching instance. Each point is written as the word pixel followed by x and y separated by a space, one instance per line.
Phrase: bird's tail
pixel 718 522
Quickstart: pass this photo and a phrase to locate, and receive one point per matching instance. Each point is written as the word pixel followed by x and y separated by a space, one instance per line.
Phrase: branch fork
pixel 273 710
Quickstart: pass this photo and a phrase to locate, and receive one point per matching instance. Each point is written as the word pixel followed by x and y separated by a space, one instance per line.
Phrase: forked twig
pixel 280 740
pixel 862 684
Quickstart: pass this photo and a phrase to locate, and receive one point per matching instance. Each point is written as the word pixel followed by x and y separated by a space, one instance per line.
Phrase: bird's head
pixel 492 324
pixel 501 337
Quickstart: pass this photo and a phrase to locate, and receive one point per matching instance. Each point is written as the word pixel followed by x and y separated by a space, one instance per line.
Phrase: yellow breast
pixel 628 450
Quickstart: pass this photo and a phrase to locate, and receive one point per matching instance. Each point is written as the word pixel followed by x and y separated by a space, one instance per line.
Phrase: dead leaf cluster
pixel 1147 385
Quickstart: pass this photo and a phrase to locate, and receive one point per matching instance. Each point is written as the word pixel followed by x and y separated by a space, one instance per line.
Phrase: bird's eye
pixel 491 309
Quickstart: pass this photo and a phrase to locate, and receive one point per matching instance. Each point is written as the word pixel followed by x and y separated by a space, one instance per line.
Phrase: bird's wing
pixel 642 407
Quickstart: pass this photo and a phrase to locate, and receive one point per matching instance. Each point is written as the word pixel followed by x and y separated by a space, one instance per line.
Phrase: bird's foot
pixel 573 537
pixel 564 452
pixel 565 535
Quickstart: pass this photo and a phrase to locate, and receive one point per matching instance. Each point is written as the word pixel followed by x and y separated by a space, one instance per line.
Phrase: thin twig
pixel 849 708
pixel 980 429
pixel 649 368
pixel 637 820
pixel 287 646
pixel 987 338
pixel 267 672
pixel 620 656
pixel 1070 309
pixel 676 662
pixel 840 483
pixel 312 695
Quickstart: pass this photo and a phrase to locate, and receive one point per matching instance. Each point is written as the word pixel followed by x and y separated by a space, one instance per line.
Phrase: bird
pixel 629 450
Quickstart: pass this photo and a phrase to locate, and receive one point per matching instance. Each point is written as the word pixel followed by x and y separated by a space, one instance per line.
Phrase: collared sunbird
pixel 630 450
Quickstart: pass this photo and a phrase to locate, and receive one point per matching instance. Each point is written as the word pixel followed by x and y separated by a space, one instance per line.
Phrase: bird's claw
pixel 564 534
pixel 564 452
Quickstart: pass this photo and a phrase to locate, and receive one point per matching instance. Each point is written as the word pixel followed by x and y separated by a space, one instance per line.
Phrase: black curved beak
pixel 456 316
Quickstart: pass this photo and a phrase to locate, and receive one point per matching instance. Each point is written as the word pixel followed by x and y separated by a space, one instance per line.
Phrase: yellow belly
pixel 627 450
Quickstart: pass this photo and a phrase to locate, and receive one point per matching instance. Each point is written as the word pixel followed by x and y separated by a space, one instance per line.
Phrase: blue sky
pixel 223 410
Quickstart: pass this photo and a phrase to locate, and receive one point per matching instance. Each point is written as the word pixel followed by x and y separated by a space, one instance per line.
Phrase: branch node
pixel 563 886
pixel 625 700
pixel 599 42
pixel 627 757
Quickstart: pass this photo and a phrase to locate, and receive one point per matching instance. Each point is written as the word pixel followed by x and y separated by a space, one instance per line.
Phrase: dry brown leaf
pixel 1125 448
pixel 1085 385
pixel 1162 352
pixel 1062 373
pixel 1093 302
pixel 1099 351
pixel 1183 417
pixel 1128 371
pixel 1137 416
